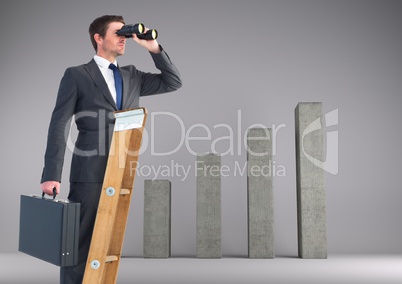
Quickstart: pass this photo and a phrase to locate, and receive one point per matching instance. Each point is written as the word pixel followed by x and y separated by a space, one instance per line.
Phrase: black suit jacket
pixel 84 94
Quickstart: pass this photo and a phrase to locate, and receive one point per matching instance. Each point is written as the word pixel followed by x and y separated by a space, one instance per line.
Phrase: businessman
pixel 91 93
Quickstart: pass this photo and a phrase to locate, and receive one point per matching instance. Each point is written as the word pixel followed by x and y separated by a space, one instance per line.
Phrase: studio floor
pixel 379 269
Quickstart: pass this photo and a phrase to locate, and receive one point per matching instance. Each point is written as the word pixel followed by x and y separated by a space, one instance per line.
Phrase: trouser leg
pixel 88 195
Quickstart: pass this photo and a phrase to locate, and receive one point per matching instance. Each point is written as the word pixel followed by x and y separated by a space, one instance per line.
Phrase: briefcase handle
pixel 54 193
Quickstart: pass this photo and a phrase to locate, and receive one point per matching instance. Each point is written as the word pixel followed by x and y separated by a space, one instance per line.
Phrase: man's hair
pixel 100 25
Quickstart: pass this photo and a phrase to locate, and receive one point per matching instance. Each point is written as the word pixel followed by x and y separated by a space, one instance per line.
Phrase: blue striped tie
pixel 118 82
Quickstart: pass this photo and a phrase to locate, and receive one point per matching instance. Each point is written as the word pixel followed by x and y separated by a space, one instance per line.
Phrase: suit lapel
pixel 93 70
pixel 126 80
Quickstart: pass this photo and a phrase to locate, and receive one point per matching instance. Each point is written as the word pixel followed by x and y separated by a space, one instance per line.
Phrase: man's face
pixel 112 44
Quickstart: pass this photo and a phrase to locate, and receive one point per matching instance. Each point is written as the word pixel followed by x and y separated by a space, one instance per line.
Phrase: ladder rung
pixel 111 258
pixel 124 191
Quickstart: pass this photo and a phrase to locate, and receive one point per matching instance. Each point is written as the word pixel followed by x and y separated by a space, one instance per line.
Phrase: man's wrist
pixel 157 49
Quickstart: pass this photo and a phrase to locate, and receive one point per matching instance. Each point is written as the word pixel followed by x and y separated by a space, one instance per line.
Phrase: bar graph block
pixel 311 197
pixel 260 194
pixel 209 206
pixel 157 218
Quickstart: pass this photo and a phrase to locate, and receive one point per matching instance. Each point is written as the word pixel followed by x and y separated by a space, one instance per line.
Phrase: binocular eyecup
pixel 139 30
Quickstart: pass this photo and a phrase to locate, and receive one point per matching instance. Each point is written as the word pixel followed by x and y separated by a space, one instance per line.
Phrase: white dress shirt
pixel 107 73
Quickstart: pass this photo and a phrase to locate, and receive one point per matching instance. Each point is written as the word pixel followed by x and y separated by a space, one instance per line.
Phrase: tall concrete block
pixel 209 206
pixel 260 193
pixel 157 218
pixel 311 197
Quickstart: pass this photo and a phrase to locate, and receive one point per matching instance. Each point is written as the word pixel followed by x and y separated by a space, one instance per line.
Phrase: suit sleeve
pixel 59 128
pixel 167 81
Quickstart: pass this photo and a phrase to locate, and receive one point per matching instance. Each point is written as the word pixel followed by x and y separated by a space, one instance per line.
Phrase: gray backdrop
pixel 242 63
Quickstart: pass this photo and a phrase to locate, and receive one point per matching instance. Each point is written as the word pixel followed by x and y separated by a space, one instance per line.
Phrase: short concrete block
pixel 157 218
pixel 260 193
pixel 209 206
pixel 311 197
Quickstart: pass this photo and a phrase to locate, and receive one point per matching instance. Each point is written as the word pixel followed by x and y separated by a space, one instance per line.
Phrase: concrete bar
pixel 260 193
pixel 157 218
pixel 209 206
pixel 311 197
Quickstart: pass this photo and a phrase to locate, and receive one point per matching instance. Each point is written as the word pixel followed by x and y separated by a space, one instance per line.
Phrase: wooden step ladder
pixel 114 204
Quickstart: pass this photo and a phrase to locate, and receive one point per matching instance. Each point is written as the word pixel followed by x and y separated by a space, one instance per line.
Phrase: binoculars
pixel 139 30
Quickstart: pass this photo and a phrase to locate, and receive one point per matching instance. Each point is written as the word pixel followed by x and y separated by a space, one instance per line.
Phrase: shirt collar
pixel 102 62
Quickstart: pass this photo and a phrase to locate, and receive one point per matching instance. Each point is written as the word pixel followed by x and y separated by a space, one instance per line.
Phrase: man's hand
pixel 47 187
pixel 151 45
